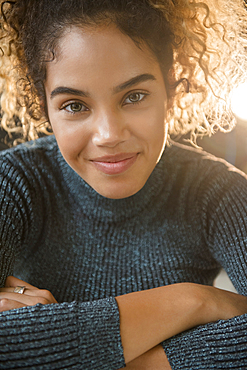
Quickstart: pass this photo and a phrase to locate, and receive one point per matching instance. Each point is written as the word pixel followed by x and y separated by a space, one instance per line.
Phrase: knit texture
pixel 57 233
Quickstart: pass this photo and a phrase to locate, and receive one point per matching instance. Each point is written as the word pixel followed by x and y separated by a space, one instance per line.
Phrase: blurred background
pixel 233 148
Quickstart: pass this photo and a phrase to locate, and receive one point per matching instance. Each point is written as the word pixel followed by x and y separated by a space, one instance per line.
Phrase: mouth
pixel 115 164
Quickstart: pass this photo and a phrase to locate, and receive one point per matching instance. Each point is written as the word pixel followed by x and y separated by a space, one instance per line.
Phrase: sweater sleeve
pixel 62 336
pixel 222 344
pixel 77 335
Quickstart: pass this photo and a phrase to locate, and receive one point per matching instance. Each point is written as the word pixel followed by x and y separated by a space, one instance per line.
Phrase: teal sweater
pixel 57 233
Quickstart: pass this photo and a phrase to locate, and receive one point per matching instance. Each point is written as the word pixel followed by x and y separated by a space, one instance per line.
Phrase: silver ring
pixel 19 289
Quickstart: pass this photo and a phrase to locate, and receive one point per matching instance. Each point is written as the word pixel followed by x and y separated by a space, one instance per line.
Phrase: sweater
pixel 57 233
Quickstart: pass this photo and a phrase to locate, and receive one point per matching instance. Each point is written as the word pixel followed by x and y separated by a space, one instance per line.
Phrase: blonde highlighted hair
pixel 200 46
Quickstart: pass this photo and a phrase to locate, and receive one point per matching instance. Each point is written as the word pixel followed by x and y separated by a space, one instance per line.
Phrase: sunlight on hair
pixel 239 101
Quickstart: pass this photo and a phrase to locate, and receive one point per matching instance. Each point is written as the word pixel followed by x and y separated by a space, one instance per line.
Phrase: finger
pixel 30 292
pixel 12 290
pixel 7 304
pixel 12 281
pixel 26 300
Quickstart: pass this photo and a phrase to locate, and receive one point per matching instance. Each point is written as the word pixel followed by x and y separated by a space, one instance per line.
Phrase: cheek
pixel 154 128
pixel 72 139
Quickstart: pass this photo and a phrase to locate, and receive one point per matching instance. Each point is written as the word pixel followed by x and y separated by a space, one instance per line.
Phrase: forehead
pixel 99 51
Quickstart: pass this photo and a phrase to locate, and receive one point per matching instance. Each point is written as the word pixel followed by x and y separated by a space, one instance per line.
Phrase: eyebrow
pixel 133 81
pixel 67 90
pixel 125 85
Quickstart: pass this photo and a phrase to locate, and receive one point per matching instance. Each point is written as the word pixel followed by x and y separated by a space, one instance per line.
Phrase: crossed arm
pixel 148 317
pixel 155 358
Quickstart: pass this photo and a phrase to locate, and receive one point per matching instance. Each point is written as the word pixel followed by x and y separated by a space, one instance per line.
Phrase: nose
pixel 110 129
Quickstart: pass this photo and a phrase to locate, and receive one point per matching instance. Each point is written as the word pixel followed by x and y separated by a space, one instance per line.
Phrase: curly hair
pixel 200 46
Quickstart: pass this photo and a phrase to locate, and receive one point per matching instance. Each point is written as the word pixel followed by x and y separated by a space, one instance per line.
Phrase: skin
pixel 32 295
pixel 106 101
pixel 155 358
pixel 147 317
pixel 119 111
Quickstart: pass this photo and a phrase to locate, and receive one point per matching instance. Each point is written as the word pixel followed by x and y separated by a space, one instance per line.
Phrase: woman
pixel 125 236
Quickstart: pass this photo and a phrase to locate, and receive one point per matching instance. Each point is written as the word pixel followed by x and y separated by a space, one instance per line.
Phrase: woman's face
pixel 106 102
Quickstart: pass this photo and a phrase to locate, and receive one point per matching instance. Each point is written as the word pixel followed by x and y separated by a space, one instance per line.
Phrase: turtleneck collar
pixel 94 205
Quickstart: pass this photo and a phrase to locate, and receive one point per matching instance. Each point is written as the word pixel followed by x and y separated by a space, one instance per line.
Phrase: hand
pixel 10 300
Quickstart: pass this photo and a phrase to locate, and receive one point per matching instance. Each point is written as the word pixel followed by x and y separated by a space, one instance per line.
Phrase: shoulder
pixel 30 157
pixel 29 174
pixel 188 154
pixel 201 180
pixel 33 148
pixel 190 161
pixel 27 169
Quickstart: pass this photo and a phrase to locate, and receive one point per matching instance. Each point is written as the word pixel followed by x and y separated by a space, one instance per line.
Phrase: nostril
pixel 110 134
pixel 110 140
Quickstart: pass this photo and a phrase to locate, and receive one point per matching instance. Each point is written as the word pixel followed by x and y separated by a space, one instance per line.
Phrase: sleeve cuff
pixel 100 331
pixel 219 345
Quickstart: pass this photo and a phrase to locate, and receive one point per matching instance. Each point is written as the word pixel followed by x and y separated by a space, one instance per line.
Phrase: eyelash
pixel 67 105
pixel 144 95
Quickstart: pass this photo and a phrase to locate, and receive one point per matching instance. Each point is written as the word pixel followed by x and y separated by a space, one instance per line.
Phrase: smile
pixel 115 165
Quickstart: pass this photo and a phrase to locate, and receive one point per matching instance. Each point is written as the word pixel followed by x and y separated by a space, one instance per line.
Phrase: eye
pixel 135 97
pixel 74 107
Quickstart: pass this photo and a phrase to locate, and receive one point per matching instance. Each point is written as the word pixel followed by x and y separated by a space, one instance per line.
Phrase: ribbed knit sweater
pixel 57 233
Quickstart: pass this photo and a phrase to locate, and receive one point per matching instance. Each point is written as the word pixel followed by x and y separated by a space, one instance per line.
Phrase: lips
pixel 115 164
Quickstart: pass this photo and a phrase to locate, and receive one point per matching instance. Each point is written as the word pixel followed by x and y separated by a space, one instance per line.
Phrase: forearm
pixel 153 359
pixel 219 345
pixel 58 336
pixel 149 317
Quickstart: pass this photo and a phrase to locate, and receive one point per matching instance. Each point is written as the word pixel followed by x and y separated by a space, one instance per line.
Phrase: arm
pixel 153 359
pixel 36 334
pixel 58 336
pixel 73 333
pixel 70 334
pixel 146 318
pixel 220 345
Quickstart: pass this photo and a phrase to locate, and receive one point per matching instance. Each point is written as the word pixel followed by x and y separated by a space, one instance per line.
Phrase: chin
pixel 118 192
